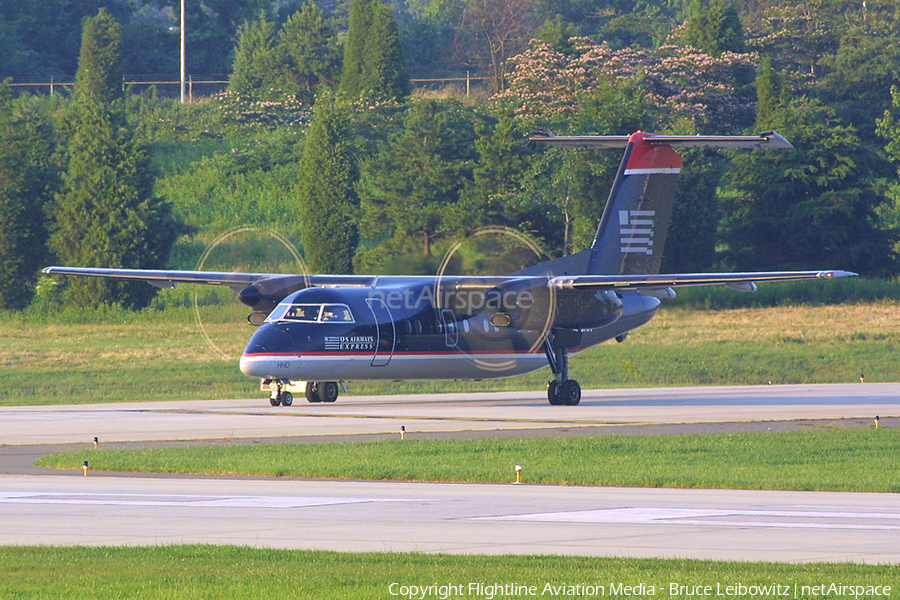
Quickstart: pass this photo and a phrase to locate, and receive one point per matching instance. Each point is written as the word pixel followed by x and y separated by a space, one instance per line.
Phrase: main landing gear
pixel 562 391
pixel 281 393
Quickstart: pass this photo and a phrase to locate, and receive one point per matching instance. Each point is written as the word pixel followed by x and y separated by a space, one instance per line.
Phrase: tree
pixel 308 52
pixel 27 180
pixel 771 92
pixel 492 31
pixel 811 207
pixel 255 62
pixel 435 153
pixel 860 76
pixel 888 128
pixel 373 60
pixel 105 215
pixel 99 77
pixel 714 27
pixel 328 199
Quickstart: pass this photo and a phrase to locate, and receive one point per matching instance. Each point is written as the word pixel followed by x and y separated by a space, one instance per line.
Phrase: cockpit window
pixel 336 312
pixel 303 312
pixel 312 313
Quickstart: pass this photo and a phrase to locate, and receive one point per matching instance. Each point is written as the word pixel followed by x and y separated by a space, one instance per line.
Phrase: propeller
pixel 246 249
pixel 497 316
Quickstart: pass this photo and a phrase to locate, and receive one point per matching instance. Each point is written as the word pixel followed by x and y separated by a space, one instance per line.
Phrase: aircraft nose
pixel 254 366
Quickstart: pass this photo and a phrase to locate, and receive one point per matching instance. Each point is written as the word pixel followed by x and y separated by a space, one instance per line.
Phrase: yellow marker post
pixel 85 468
pixel 876 421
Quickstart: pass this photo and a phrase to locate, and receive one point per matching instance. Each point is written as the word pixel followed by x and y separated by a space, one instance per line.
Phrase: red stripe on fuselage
pixel 648 156
pixel 337 354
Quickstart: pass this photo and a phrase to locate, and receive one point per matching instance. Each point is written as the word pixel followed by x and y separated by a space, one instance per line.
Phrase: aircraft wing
pixel 261 291
pixel 738 281
pixel 167 279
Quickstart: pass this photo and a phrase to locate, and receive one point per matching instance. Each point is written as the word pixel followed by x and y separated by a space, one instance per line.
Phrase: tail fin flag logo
pixel 636 231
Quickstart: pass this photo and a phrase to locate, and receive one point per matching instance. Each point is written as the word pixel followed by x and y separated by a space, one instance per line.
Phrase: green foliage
pixel 374 66
pixel 436 151
pixel 99 76
pixel 714 27
pixel 328 200
pixel 255 60
pixel 28 179
pixel 309 53
pixel 810 207
pixel 105 214
pixel 771 91
pixel 860 72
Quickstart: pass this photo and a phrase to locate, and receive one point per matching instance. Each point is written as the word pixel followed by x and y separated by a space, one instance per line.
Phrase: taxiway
pixel 68 509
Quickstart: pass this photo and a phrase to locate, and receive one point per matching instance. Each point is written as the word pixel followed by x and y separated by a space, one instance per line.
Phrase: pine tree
pixel 435 151
pixel 255 61
pixel 308 53
pixel 327 192
pixel 100 76
pixel 105 215
pixel 373 60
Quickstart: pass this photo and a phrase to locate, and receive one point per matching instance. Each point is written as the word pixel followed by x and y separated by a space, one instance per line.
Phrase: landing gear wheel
pixel 312 392
pixel 570 393
pixel 287 399
pixel 553 393
pixel 328 391
pixel 275 400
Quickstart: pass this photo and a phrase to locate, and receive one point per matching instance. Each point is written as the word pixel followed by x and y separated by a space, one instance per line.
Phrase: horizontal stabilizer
pixel 769 139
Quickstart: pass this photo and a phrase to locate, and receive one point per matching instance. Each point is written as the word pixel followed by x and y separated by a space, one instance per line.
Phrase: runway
pixel 70 509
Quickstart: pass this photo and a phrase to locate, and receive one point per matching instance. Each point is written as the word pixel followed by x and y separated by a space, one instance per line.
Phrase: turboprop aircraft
pixel 315 331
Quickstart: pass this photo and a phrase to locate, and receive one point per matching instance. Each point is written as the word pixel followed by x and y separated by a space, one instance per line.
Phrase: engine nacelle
pixel 586 310
pixel 265 294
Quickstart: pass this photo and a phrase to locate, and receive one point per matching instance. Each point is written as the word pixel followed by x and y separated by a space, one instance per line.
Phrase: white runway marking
pixel 803 519
pixel 197 501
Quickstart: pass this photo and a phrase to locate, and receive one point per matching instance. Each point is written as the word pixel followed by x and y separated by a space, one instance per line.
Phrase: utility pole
pixel 182 33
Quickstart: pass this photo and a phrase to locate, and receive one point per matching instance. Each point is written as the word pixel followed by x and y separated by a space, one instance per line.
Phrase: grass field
pixel 858 460
pixel 164 355
pixel 113 356
pixel 176 572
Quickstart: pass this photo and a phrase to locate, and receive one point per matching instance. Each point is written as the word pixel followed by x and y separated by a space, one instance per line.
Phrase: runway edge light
pixel 518 474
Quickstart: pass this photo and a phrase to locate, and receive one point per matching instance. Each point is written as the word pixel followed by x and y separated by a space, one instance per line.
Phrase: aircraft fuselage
pixel 418 327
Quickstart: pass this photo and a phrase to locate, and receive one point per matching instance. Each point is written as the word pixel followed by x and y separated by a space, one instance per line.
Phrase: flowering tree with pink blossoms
pixel 548 87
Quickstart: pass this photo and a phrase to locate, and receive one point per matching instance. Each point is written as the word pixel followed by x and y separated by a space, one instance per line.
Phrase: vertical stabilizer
pixel 632 231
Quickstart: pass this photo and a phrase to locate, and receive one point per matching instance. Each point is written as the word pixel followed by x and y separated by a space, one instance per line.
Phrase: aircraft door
pixel 386 337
